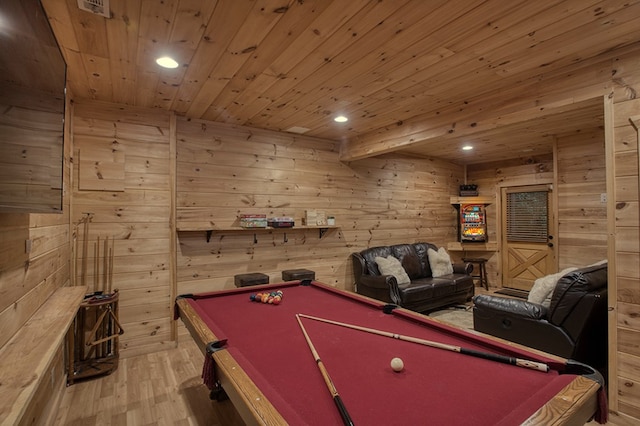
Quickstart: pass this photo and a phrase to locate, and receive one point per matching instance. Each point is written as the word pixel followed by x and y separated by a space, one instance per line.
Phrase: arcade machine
pixel 473 223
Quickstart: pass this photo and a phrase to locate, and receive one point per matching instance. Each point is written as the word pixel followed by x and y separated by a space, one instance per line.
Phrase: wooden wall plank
pixel 26 303
pixel 581 183
pixel 16 282
pixel 28 279
pixel 628 290
pixel 380 201
pixel 30 142
pixel 624 174
pixel 101 166
pixel 135 219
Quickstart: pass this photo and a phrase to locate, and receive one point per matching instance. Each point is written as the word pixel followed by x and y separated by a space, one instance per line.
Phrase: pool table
pixel 262 361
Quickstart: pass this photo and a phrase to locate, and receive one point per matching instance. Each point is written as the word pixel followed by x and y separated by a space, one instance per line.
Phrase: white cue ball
pixel 397 364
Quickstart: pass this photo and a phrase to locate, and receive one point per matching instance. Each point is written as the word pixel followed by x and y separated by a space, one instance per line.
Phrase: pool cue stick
pixel 103 260
pixel 540 366
pixel 327 379
pixel 105 265
pixel 95 267
pixel 105 269
pixel 108 283
pixel 110 277
pixel 98 283
pixel 74 267
pixel 85 248
pixel 96 286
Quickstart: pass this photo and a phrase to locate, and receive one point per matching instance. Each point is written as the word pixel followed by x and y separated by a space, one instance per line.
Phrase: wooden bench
pixel 25 360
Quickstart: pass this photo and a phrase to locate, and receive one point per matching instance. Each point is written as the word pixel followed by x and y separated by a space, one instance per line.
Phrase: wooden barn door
pixel 528 247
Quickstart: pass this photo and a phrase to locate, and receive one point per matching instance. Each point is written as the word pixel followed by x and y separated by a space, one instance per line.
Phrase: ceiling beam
pixel 419 131
pixel 535 97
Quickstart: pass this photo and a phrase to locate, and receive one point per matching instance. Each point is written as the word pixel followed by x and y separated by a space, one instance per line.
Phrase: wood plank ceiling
pixel 391 66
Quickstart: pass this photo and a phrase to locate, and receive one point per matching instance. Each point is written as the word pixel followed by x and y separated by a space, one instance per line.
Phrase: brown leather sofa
pixel 424 292
pixel 574 326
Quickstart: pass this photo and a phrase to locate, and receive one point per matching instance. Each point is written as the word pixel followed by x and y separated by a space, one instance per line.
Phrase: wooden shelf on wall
pixel 471 200
pixel 322 230
pixel 458 246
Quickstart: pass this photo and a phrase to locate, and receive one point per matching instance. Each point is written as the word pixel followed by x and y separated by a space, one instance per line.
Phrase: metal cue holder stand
pixel 93 337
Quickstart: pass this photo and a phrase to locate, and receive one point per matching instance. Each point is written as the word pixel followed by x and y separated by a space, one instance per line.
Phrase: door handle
pixel 550 244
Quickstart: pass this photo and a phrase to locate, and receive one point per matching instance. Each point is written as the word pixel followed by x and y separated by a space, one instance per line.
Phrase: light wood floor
pixel 161 388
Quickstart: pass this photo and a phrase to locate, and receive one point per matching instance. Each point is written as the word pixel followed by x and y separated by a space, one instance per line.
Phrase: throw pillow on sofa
pixel 411 265
pixel 542 289
pixel 392 266
pixel 440 262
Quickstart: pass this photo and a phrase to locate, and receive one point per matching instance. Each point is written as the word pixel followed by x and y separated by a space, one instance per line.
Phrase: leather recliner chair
pixel 574 326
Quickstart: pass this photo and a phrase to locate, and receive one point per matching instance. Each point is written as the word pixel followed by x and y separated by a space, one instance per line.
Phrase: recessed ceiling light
pixel 341 119
pixel 467 148
pixel 167 62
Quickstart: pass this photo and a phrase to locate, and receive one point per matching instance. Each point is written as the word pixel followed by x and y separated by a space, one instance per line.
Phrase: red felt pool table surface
pixel 273 373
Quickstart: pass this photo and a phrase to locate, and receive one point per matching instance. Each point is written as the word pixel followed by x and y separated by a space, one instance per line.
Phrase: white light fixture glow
pixel 167 62
pixel 297 129
pixel 341 119
pixel 467 148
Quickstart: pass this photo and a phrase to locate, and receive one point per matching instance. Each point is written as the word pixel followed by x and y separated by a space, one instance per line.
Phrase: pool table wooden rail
pixel 574 406
pixel 249 401
pixel 576 403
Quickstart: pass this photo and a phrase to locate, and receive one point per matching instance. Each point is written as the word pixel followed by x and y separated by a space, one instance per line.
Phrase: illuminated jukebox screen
pixel 473 222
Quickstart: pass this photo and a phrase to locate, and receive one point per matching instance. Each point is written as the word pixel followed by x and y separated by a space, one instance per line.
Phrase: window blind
pixel 527 218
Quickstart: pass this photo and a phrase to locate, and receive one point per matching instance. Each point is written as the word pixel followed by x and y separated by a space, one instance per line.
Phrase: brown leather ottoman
pixel 298 274
pixel 253 278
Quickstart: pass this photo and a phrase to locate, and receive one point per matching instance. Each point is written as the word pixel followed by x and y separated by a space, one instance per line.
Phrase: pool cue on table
pixel 540 366
pixel 325 375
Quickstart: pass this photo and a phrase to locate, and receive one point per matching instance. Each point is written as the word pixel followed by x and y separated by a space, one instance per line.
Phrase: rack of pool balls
pixel 272 298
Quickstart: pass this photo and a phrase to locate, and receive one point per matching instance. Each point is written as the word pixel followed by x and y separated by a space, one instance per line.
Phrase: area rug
pixel 460 317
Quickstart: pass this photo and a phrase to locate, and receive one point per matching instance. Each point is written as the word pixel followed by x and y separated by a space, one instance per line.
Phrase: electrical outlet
pixel 603 197
pixel 27 246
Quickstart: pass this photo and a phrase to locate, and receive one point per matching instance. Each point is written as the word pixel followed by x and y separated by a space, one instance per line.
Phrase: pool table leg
pixel 217 392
